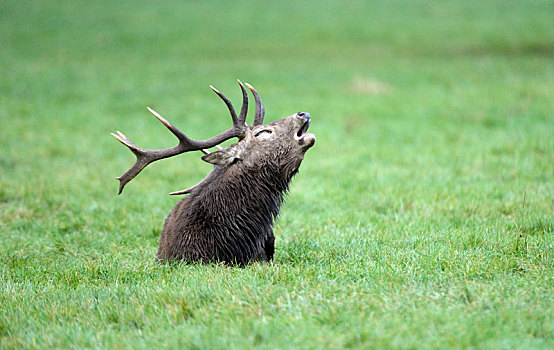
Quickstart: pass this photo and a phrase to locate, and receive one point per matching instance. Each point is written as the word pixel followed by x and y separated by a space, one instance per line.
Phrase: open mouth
pixel 304 128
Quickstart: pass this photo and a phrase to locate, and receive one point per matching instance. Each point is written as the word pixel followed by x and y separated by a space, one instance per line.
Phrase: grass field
pixel 421 219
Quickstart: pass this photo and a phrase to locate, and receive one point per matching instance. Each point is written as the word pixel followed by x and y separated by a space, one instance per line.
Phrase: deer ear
pixel 225 157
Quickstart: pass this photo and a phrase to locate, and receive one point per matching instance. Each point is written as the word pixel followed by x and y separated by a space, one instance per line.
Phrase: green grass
pixel 422 218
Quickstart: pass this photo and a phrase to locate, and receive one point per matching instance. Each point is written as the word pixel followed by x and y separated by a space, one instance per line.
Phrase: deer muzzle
pixel 304 139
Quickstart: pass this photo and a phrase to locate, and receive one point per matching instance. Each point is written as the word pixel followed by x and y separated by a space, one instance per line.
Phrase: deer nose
pixel 304 115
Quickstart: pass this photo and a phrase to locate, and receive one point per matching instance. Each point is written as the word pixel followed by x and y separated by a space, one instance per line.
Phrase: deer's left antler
pixel 186 144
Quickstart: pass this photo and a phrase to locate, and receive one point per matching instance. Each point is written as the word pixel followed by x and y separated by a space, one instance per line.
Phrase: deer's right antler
pixel 186 144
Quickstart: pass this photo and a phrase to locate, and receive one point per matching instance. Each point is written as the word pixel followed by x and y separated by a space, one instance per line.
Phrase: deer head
pixel 280 145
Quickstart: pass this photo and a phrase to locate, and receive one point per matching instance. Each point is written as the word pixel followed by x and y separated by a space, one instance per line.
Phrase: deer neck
pixel 250 191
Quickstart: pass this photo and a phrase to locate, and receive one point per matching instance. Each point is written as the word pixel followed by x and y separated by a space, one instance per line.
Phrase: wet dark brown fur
pixel 230 216
pixel 228 219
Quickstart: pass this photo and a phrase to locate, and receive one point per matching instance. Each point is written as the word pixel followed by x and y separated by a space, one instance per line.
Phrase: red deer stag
pixel 229 215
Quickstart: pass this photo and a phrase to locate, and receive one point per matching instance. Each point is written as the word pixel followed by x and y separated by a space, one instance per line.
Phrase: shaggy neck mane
pixel 238 206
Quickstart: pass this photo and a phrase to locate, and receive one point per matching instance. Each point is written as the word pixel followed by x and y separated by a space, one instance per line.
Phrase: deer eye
pixel 263 133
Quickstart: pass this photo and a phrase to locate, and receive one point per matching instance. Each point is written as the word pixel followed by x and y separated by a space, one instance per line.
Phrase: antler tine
pixel 229 105
pixel 130 174
pixel 188 190
pixel 244 108
pixel 180 135
pixel 260 110
pixel 195 187
pixel 189 144
pixel 125 140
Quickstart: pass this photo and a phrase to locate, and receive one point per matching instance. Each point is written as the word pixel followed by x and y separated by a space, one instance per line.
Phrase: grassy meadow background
pixel 422 218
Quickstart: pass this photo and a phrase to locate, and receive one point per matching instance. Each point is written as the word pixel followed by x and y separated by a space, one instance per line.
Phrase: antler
pixel 260 110
pixel 186 144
